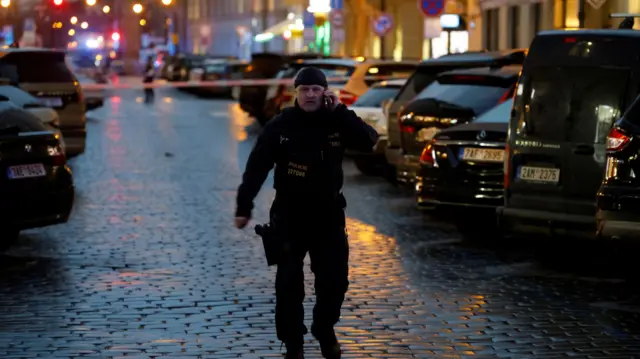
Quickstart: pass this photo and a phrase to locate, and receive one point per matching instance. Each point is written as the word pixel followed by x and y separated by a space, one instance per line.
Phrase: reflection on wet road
pixel 150 266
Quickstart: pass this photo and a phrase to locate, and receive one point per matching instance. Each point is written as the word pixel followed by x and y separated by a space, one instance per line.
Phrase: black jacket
pixel 307 150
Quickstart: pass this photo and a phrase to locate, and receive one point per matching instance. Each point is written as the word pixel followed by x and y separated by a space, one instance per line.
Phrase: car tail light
pixel 617 140
pixel 507 166
pixel 57 155
pixel 506 96
pixel 347 98
pixel 427 158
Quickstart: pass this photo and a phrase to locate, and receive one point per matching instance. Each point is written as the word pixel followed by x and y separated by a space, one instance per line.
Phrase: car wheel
pixel 8 238
pixel 366 167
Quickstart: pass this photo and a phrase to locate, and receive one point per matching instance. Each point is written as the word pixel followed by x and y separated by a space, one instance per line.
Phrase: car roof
pixel 471 57
pixel 336 62
pixel 591 32
pixel 397 82
pixel 501 72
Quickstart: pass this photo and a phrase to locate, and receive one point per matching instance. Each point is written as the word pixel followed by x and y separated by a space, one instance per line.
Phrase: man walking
pixel 306 144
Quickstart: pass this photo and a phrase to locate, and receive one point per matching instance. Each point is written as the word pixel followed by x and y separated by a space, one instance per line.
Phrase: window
pixel 478 97
pixel 514 27
pixel 416 83
pixel 491 30
pixel 498 114
pixel 39 67
pixel 375 96
pixel 575 104
pixel 537 18
pixel 18 96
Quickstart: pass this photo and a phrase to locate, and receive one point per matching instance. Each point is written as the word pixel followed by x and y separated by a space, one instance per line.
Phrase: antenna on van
pixel 628 19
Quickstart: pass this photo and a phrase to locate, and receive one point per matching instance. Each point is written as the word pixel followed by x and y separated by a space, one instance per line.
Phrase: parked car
pixel 369 107
pixel 462 168
pixel 423 76
pixel 617 200
pixel 218 69
pixel 357 76
pixel 574 85
pixel 265 66
pixel 283 95
pixel 44 74
pixel 454 98
pixel 37 189
pixel 22 99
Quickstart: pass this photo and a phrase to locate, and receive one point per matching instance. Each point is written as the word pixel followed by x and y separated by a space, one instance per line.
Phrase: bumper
pixel 75 140
pixel 618 224
pixel 431 193
pixel 407 169
pixel 547 222
pixel 38 209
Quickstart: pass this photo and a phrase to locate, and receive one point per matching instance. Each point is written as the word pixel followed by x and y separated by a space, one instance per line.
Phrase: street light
pixel 73 20
pixel 106 9
pixel 137 8
pixel 84 25
pixel 143 22
pixel 167 2
pixel 91 2
pixel 72 32
pixel 5 3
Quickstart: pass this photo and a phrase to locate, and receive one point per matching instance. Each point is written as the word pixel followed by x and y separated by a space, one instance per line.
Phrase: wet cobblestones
pixel 150 266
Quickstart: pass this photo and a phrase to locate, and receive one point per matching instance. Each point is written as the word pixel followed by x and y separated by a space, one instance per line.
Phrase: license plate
pixel 51 101
pixel 539 174
pixel 482 154
pixel 26 171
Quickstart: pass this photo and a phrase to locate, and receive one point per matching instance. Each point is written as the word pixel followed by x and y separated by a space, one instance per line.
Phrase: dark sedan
pixel 462 167
pixel 37 186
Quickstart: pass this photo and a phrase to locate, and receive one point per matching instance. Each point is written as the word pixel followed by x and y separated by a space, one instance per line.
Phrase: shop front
pixel 285 36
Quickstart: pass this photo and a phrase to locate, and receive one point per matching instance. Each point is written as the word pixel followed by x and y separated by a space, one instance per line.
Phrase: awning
pixel 294 24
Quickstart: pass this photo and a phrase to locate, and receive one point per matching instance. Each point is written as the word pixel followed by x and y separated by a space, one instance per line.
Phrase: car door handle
pixel 584 150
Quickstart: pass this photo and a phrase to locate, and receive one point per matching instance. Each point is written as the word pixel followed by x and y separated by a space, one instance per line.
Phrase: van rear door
pixel 570 93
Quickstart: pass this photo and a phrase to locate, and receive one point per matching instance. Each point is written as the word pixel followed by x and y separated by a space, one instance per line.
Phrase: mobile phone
pixel 327 101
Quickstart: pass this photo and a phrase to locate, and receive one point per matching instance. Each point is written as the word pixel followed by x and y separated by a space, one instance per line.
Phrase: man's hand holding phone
pixel 331 100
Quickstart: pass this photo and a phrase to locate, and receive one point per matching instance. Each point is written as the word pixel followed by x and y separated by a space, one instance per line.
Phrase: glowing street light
pixel 84 25
pixel 91 2
pixel 106 9
pixel 167 2
pixel 143 22
pixel 72 32
pixel 74 20
pixel 137 8
pixel 5 3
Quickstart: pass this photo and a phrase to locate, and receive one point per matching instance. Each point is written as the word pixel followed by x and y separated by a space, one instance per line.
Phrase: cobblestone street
pixel 150 265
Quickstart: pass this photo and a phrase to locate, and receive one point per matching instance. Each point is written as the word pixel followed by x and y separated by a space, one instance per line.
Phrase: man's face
pixel 310 97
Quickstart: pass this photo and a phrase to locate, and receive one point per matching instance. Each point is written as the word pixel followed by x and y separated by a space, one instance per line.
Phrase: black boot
pixel 294 351
pixel 329 345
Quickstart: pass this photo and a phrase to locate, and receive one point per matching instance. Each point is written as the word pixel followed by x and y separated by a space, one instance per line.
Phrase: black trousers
pixel 325 239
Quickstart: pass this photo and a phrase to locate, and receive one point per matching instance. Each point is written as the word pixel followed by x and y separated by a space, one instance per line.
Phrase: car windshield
pixel 20 120
pixel 478 97
pixel 39 67
pixel 375 96
pixel 17 96
pixel 336 74
pixel 498 114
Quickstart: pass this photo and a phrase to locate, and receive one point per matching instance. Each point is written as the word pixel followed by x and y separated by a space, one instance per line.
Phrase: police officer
pixel 306 144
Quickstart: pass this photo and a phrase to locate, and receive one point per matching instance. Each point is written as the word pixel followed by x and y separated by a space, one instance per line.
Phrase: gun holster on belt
pixel 271 242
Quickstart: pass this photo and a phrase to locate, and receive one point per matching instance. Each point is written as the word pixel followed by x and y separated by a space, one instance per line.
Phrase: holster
pixel 271 242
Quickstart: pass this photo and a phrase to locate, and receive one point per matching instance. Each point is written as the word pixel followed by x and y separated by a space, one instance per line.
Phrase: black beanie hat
pixel 310 76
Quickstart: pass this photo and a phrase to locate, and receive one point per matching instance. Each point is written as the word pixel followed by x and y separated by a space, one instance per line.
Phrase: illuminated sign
pixel 319 6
